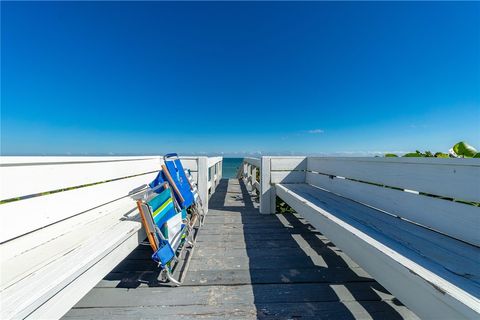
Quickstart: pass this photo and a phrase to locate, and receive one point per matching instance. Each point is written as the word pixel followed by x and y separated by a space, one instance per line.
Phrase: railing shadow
pixel 293 270
pixel 298 272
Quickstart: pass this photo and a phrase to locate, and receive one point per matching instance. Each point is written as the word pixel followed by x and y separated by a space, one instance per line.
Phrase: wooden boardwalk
pixel 245 266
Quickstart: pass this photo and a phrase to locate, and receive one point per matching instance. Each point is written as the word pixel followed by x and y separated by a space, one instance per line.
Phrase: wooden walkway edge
pixel 246 266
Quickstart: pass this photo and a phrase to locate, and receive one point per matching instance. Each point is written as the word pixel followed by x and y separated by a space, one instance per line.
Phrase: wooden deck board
pixel 296 310
pixel 134 279
pixel 246 266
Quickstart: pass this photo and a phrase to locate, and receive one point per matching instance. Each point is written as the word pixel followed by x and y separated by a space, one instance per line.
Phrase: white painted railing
pixel 451 178
pixel 272 170
pixel 65 222
pixel 215 173
pixel 248 172
pixel 411 223
pixel 207 173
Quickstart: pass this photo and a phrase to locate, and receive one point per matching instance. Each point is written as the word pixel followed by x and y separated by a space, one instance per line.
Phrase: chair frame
pixel 155 236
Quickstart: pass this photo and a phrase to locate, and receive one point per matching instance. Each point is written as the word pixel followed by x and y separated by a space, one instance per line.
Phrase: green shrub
pixel 459 150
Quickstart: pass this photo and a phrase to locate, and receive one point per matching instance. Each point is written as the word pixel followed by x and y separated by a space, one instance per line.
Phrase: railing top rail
pixel 285 157
pixel 253 161
pixel 41 160
pixel 451 178
pixel 25 176
pixel 406 160
pixel 214 160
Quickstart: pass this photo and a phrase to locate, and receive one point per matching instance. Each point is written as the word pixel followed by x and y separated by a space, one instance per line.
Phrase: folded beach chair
pixel 185 205
pixel 186 191
pixel 166 225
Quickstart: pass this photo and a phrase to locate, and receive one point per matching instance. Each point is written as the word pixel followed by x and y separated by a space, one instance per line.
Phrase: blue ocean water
pixel 230 167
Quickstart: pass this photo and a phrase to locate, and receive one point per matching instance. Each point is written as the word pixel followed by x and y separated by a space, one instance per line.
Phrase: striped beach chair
pixel 166 226
pixel 185 188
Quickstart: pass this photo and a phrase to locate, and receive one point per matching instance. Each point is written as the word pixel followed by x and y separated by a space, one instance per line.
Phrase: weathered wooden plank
pixel 24 216
pixel 31 292
pixel 217 295
pixel 190 163
pixel 266 244
pixel 287 177
pixel 239 222
pixel 227 217
pixel 26 255
pixel 213 161
pixel 246 222
pixel 205 252
pixel 458 220
pixel 61 302
pixel 249 237
pixel 458 257
pixel 250 230
pixel 34 160
pixel 239 258
pixel 297 259
pixel 288 164
pixel 96 169
pixel 305 310
pixel 413 278
pixel 225 264
pixel 256 162
pixel 456 178
pixel 134 279
pixel 24 179
pixel 33 240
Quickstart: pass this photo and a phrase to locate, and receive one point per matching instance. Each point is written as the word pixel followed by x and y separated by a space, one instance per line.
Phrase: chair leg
pixel 174 281
pixel 166 276
pixel 162 276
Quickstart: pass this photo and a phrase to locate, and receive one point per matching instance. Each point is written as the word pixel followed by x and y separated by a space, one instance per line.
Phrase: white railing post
pixel 267 191
pixel 215 177
pixel 220 167
pixel 203 180
pixel 211 180
pixel 250 173
pixel 254 177
pixel 245 165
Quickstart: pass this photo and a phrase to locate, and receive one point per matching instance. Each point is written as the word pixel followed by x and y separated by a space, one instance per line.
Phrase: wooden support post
pixel 267 191
pixel 202 183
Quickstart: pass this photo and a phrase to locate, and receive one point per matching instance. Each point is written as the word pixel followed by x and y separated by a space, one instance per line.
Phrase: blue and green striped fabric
pixel 162 207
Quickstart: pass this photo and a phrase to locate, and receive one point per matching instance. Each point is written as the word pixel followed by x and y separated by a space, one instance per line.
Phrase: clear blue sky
pixel 152 77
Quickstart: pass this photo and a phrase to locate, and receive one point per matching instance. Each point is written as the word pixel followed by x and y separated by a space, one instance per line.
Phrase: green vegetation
pixel 459 150
pixel 283 207
pixel 464 150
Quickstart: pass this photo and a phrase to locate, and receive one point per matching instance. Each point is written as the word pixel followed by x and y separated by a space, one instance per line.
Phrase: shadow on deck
pixel 246 266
